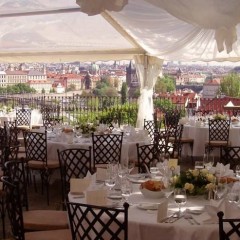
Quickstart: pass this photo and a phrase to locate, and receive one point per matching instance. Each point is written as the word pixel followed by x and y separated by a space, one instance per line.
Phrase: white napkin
pixel 230 210
pixel 223 170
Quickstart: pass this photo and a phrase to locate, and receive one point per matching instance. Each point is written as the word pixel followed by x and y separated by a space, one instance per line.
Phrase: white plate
pixel 114 196
pixel 138 178
pixel 148 206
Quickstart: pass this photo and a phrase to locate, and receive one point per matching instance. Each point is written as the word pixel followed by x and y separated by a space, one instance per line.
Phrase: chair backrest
pixel 35 146
pixel 97 222
pixel 219 129
pixel 51 122
pixel 147 155
pixel 151 126
pixel 231 155
pixel 8 153
pixel 13 207
pixel 74 163
pixel 227 230
pixel 12 132
pixel 171 119
pixel 174 138
pixel 50 111
pixel 15 171
pixel 106 148
pixel 23 117
pixel 3 136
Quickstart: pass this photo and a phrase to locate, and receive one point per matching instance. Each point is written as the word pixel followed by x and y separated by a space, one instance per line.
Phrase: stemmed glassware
pixel 208 161
pixel 110 181
pixel 220 189
pixel 126 189
pixel 78 134
pixel 180 198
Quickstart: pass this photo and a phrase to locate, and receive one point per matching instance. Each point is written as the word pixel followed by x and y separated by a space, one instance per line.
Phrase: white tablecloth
pixel 36 117
pixel 129 149
pixel 200 136
pixel 143 224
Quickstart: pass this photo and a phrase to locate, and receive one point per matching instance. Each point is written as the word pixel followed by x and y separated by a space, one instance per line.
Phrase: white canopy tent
pixel 148 31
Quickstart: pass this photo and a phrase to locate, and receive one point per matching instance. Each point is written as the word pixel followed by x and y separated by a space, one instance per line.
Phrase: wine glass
pixel 131 165
pixel 122 170
pixel 78 134
pixel 110 180
pixel 208 161
pixel 126 189
pixel 233 197
pixel 180 198
pixel 220 189
pixel 169 189
pixel 237 171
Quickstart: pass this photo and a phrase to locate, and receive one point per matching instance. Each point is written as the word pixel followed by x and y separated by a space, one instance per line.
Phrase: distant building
pixel 210 89
pixel 2 79
pixel 132 79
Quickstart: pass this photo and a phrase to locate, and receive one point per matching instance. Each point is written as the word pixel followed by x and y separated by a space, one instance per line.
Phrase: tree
pixel 230 85
pixel 43 91
pixel 72 87
pixel 164 85
pixel 124 93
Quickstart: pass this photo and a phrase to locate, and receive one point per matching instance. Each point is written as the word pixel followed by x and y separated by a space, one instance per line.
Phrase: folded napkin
pixel 79 185
pixel 230 210
pixel 222 170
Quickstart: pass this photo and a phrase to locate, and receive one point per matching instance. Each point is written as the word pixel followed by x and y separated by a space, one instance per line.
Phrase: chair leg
pixel 3 217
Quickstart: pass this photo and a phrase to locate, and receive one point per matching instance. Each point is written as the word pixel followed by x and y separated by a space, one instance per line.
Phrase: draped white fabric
pixel 220 15
pixel 183 30
pixel 148 69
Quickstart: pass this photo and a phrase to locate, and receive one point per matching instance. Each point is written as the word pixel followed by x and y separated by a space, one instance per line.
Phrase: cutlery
pixel 191 219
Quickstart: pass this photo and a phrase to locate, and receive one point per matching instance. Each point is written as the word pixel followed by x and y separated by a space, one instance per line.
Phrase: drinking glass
pixel 237 171
pixel 233 197
pixel 123 170
pixel 126 189
pixel 78 134
pixel 208 161
pixel 180 198
pixel 169 189
pixel 110 180
pixel 131 165
pixel 221 188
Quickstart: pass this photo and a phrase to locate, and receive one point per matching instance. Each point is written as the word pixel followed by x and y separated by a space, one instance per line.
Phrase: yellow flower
pixel 189 187
pixel 210 186
pixel 195 172
pixel 204 171
pixel 210 177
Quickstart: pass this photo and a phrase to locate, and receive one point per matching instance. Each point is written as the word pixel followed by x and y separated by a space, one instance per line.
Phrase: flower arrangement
pixel 87 128
pixel 196 182
pixel 219 116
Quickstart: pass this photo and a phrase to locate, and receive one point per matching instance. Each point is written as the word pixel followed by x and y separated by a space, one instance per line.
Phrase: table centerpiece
pixel 196 181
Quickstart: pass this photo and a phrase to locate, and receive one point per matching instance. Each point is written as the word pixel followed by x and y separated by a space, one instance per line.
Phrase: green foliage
pixel 43 91
pixel 164 85
pixel 104 88
pixel 72 87
pixel 230 85
pixel 163 103
pixel 17 88
pixel 124 93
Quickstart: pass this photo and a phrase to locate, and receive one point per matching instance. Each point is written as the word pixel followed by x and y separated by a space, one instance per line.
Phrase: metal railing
pixel 76 108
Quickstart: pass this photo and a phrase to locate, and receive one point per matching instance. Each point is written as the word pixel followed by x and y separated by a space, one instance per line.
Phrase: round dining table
pixel 143 224
pixel 200 135
pixel 65 141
